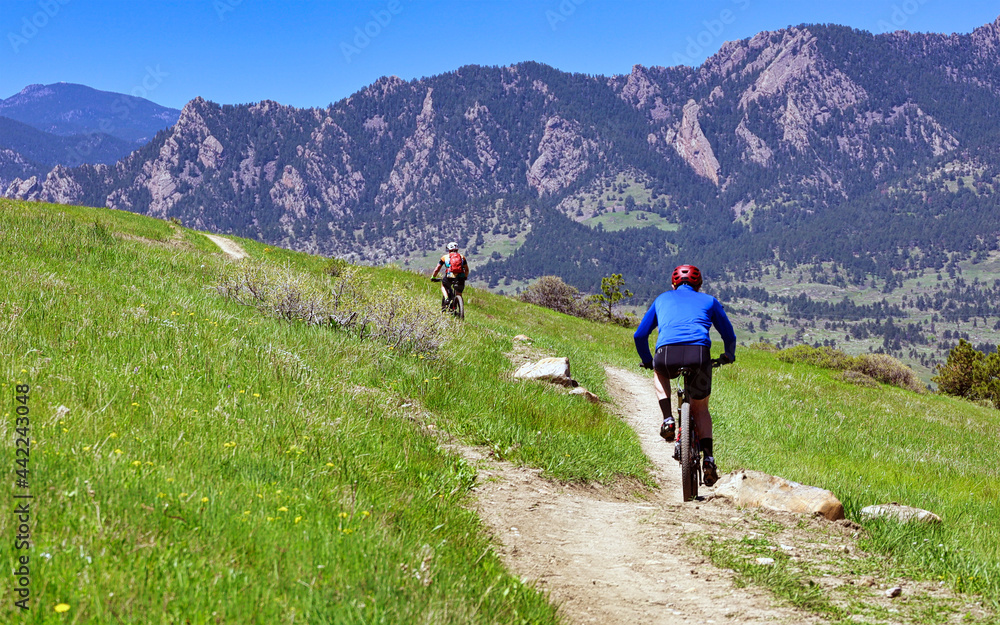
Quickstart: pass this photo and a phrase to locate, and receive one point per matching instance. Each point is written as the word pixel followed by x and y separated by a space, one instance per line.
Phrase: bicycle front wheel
pixel 689 463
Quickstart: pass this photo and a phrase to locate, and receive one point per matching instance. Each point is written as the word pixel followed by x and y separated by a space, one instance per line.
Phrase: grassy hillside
pixel 194 459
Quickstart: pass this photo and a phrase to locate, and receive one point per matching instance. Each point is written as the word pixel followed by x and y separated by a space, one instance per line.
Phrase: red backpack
pixel 456 263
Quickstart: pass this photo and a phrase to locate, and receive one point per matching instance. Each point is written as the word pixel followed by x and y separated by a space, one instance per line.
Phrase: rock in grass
pixel 592 398
pixel 522 338
pixel 765 561
pixel 893 592
pixel 897 512
pixel 555 370
pixel 760 490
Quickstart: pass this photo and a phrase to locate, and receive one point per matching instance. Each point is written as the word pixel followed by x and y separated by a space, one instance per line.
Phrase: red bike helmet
pixel 686 274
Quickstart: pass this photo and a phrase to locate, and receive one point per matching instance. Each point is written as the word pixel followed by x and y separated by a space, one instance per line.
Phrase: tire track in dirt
pixel 608 558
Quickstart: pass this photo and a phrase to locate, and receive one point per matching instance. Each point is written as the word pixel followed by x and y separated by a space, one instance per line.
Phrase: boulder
pixel 522 338
pixel 555 370
pixel 760 490
pixel 903 514
pixel 590 396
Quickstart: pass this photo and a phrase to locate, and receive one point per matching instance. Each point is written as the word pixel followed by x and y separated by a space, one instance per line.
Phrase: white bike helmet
pixel 453 247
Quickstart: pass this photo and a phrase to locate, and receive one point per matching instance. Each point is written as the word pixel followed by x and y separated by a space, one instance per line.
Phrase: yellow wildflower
pixel 61 607
pixel 283 509
pixel 119 452
pixel 297 519
pixel 204 500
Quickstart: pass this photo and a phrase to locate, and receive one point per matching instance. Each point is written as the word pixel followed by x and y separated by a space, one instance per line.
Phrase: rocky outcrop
pixel 760 490
pixel 639 89
pixel 692 145
pixel 563 155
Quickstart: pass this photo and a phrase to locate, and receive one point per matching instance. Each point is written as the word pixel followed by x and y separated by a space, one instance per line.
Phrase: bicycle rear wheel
pixel 689 473
pixel 460 307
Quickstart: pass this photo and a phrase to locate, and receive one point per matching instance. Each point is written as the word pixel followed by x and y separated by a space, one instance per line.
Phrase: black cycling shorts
pixel 670 358
pixel 458 282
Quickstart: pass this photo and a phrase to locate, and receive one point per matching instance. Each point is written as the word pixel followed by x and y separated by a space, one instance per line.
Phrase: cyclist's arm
pixel 465 266
pixel 642 333
pixel 721 322
pixel 437 269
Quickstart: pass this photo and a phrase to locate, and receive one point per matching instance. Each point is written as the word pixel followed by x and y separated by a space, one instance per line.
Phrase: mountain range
pixel 67 124
pixel 811 144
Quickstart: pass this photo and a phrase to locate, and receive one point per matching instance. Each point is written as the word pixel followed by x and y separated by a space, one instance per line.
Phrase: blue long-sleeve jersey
pixel 683 317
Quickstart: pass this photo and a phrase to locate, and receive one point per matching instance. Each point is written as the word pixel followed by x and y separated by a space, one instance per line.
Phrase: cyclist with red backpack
pixel 456 272
pixel 682 318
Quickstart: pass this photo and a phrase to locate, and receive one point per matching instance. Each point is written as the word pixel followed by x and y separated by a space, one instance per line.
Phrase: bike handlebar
pixel 435 279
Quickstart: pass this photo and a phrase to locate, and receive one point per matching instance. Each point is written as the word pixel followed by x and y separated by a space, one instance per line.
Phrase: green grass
pixel 620 221
pixel 874 446
pixel 211 460
pixel 240 424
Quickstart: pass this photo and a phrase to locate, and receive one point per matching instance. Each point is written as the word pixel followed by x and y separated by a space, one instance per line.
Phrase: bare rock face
pixel 760 490
pixel 897 512
pixel 554 370
pixel 60 187
pixel 563 154
pixel 24 189
pixel 638 88
pixel 692 145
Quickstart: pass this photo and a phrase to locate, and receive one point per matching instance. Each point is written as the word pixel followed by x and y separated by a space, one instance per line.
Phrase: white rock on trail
pixel 555 370
pixel 760 490
pixel 591 397
pixel 895 511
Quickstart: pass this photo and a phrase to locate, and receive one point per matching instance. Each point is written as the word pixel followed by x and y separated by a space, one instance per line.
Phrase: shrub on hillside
pixel 888 370
pixel 826 357
pixel 879 367
pixel 348 302
pixel 552 292
pixel 859 379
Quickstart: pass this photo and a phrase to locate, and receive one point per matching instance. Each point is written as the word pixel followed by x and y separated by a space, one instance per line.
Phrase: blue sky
pixel 314 53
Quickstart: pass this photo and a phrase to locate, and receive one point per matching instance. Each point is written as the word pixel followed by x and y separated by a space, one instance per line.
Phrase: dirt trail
pixel 231 248
pixel 608 559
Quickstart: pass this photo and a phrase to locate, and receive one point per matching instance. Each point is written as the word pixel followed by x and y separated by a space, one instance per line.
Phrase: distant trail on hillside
pixel 608 557
pixel 231 248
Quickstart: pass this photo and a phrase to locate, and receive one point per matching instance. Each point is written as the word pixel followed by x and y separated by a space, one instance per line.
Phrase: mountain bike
pixel 687 434
pixel 455 302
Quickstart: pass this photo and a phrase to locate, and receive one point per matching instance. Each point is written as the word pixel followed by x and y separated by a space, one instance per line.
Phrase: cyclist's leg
pixel 445 283
pixel 701 417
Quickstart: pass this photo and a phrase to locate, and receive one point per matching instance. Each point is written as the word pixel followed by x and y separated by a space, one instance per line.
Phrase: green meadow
pixel 194 460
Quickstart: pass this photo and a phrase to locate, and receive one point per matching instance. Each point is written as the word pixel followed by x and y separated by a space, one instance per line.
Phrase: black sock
pixel 706 446
pixel 665 407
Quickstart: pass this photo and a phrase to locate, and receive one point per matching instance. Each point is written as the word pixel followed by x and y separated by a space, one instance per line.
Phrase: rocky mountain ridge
pixel 768 131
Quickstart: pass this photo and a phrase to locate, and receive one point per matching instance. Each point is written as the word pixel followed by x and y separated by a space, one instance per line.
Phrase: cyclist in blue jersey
pixel 682 318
